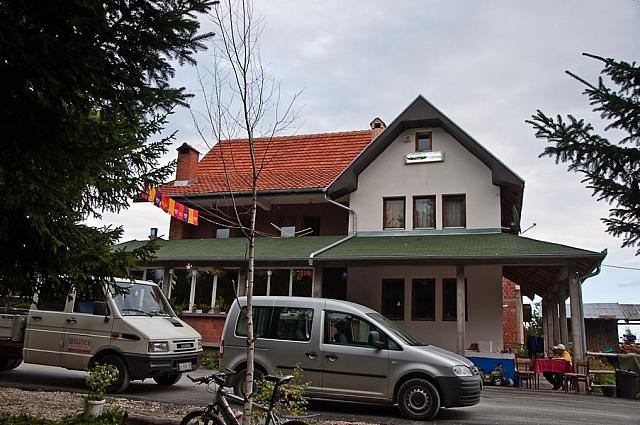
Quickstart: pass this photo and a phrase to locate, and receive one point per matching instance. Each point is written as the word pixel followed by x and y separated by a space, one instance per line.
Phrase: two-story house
pixel 415 219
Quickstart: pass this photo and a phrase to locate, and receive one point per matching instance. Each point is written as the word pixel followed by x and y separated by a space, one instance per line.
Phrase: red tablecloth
pixel 551 365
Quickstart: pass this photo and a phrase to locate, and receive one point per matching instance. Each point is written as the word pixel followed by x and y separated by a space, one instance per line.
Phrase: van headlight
pixel 199 343
pixel 461 370
pixel 158 346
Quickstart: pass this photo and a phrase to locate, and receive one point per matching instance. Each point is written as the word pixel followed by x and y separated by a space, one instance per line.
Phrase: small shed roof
pixel 610 311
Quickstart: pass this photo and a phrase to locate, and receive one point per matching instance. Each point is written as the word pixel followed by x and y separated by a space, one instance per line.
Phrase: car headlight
pixel 461 370
pixel 158 346
pixel 199 343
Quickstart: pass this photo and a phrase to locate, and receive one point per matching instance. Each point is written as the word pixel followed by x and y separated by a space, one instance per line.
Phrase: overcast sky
pixel 488 65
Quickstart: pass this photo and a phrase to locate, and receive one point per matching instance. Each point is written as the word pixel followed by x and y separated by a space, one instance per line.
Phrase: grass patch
pixel 109 417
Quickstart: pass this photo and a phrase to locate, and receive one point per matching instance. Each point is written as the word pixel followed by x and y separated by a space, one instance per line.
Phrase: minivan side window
pixel 261 321
pixel 291 323
pixel 285 323
pixel 346 329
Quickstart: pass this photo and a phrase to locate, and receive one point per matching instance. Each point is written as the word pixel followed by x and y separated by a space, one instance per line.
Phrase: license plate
pixel 184 366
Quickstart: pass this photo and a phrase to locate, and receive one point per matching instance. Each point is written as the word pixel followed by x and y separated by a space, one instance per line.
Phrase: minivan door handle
pixel 71 320
pixel 331 357
pixel 311 354
pixel 36 317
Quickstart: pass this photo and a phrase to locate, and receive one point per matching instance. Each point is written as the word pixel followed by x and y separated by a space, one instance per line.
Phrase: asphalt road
pixel 497 405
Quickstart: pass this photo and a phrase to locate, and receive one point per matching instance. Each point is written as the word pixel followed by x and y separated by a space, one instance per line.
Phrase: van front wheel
pixel 418 400
pixel 116 365
pixel 167 380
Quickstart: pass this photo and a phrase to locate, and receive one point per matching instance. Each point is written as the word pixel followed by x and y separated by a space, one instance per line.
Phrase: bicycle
pixel 220 410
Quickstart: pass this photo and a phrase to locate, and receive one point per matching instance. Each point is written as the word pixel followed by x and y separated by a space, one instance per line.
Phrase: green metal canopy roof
pixel 488 246
pixel 531 263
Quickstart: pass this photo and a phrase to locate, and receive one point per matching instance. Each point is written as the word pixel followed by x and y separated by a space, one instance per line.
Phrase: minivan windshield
pixel 396 330
pixel 136 299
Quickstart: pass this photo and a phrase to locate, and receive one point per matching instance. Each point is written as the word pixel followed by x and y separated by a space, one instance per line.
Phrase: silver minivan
pixel 348 352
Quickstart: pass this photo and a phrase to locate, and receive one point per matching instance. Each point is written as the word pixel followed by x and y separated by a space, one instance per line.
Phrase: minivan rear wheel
pixel 238 383
pixel 418 400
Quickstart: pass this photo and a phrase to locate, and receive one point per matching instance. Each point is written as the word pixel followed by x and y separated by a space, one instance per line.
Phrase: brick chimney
pixel 187 169
pixel 378 126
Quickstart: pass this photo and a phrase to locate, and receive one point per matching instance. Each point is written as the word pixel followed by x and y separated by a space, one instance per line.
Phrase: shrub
pixel 291 399
pixel 98 379
pixel 211 362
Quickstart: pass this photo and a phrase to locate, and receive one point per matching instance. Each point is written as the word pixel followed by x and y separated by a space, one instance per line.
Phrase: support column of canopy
pixel 316 291
pixel 166 282
pixel 460 310
pixel 519 318
pixel 547 327
pixel 577 320
pixel 554 314
pixel 562 307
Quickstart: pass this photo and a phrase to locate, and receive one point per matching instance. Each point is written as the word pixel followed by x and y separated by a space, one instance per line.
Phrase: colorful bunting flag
pixel 171 207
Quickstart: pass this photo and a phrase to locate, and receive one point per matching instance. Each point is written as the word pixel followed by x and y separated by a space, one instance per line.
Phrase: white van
pixel 348 352
pixel 133 330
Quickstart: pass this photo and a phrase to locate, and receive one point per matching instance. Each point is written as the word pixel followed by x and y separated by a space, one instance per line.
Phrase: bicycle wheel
pixel 200 417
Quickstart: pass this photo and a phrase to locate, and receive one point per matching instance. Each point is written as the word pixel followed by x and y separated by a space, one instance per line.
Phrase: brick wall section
pixel 510 295
pixel 179 229
pixel 208 325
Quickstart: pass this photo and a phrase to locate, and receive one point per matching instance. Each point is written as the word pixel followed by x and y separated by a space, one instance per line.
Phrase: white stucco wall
pixel 460 173
pixel 484 292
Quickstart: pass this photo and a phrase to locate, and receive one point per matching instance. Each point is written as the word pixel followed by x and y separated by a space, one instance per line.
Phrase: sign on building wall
pixel 419 157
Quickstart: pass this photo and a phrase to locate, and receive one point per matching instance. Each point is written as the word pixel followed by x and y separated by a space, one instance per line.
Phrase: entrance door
pixel 87 329
pixel 351 367
pixel 334 283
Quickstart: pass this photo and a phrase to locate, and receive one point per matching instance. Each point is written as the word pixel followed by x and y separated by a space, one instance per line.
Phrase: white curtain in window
pixel 454 212
pixel 394 213
pixel 424 213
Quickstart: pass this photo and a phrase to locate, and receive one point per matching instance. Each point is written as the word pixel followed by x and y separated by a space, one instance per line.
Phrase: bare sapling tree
pixel 241 100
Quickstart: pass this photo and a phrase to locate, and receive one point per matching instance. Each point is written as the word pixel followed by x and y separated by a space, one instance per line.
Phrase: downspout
pixel 580 280
pixel 352 233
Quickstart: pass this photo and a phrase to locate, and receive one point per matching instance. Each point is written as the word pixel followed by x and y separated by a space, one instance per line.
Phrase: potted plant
pixel 99 377
pixel 221 305
pixel 205 308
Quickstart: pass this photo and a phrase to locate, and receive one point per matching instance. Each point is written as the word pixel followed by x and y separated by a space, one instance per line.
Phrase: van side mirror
pixel 375 341
pixel 100 308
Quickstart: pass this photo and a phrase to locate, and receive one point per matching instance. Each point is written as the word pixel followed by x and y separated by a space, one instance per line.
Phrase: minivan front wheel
pixel 418 400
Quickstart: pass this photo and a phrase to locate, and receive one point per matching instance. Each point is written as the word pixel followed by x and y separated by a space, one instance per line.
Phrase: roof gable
pixel 304 162
pixel 421 113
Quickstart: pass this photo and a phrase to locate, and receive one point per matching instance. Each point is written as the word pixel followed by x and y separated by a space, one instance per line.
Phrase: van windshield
pixel 396 330
pixel 135 299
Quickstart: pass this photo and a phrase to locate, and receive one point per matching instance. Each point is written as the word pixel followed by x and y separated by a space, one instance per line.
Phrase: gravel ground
pixel 55 405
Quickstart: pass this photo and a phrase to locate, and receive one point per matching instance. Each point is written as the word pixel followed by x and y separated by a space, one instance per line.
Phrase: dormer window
pixel 423 141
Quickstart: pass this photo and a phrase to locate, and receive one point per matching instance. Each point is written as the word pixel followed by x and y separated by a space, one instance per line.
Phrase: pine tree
pixel 610 169
pixel 85 95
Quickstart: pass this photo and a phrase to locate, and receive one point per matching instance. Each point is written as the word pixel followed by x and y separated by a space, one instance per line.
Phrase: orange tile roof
pixel 288 162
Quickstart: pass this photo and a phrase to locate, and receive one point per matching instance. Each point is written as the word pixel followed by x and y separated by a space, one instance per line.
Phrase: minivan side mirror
pixel 375 341
pixel 100 309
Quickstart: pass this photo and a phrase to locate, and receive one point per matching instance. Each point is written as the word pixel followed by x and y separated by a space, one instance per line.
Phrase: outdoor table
pixel 551 365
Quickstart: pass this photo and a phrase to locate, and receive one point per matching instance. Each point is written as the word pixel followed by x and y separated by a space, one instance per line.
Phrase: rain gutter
pixel 352 233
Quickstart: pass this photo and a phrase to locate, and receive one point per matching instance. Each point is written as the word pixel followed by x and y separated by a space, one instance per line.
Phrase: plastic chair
pixel 524 373
pixel 571 380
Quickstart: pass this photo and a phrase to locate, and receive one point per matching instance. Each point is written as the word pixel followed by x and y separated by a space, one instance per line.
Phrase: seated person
pixel 556 379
